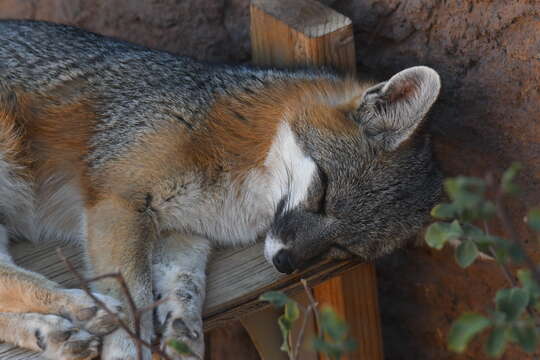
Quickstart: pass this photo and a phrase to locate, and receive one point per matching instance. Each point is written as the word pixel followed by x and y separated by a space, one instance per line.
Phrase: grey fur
pixel 375 191
pixel 372 189
pixel 140 89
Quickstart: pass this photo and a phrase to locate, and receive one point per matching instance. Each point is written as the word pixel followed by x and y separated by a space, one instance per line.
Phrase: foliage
pixel 332 340
pixel 474 204
pixel 179 347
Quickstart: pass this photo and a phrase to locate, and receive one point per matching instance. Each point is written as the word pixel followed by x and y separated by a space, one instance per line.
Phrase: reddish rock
pixel 488 55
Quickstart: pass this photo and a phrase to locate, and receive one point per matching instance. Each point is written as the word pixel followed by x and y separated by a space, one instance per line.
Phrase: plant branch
pixel 504 269
pixel 135 336
pixel 314 305
pixel 511 230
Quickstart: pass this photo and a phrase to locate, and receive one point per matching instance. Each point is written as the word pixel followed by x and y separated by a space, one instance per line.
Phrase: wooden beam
pixel 236 279
pixel 301 33
pixel 354 296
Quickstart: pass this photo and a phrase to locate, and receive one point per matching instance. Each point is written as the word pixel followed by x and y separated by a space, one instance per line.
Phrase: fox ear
pixel 392 110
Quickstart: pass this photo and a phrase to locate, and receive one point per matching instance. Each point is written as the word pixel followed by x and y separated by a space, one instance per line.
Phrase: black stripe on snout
pixel 281 207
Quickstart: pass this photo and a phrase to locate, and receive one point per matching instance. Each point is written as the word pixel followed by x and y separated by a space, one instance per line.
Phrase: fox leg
pixel 179 266
pixel 120 238
pixel 54 336
pixel 33 308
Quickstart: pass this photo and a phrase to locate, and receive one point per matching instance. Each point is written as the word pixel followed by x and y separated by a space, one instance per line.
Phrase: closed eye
pixel 345 250
pixel 324 185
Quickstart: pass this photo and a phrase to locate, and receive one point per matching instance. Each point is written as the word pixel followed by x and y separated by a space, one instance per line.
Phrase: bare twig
pixel 137 313
pixel 314 305
pixel 510 229
pixel 514 237
pixel 300 339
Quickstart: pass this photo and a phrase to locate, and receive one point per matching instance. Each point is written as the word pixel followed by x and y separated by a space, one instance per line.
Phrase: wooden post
pixel 354 296
pixel 297 33
pixel 301 32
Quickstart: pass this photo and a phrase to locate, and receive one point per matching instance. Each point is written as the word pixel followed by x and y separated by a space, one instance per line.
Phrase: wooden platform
pixel 236 279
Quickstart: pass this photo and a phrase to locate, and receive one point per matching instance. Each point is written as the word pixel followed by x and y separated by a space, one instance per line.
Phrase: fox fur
pixel 147 160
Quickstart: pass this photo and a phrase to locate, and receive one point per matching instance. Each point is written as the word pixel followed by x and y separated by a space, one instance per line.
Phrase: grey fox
pixel 148 159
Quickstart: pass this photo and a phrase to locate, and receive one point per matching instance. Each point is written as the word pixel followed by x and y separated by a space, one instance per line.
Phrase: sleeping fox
pixel 147 160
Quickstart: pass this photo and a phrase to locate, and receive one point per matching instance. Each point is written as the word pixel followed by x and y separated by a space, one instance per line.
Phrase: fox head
pixel 371 176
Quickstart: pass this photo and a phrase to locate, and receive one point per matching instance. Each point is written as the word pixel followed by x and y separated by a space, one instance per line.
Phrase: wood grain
pixel 301 33
pixel 236 279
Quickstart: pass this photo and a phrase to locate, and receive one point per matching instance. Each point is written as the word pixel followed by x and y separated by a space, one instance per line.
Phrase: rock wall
pixel 488 114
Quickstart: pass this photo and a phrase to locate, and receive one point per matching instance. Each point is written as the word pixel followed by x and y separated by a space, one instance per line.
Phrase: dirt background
pixel 488 115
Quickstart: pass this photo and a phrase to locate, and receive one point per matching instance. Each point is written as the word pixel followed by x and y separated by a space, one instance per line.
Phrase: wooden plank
pixel 236 278
pixel 354 296
pixel 42 259
pixel 307 33
pixel 362 311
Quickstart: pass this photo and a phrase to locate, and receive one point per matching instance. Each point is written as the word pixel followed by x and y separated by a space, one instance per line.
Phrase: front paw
pixel 184 327
pixel 59 340
pixel 84 312
pixel 119 346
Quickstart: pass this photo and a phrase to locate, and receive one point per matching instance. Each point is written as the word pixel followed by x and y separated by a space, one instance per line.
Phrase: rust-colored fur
pixel 44 135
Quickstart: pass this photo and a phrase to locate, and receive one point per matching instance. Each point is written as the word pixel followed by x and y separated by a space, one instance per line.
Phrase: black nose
pixel 282 262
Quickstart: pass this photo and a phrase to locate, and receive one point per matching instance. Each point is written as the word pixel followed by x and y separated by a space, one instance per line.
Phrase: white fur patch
pixel 272 247
pixel 292 173
pixel 4 251
pixel 236 212
pixel 291 170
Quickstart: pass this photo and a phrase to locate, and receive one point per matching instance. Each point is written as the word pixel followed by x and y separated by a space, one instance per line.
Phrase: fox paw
pixel 85 313
pixel 177 322
pixel 60 340
pixel 119 346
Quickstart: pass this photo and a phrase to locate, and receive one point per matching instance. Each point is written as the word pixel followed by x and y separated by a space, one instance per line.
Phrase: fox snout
pixel 277 255
pixel 283 262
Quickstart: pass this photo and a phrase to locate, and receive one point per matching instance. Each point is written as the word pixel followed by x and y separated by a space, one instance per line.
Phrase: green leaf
pixel 444 211
pixel 478 236
pixel 533 219
pixel 465 192
pixel 507 181
pixel 332 324
pixel 487 210
pixel 464 329
pixel 439 233
pixel 292 313
pixel 180 347
pixel 516 253
pixel 512 302
pixel 498 318
pixel 527 282
pixel 497 340
pixel 285 326
pixel 505 250
pixel 276 298
pixel 334 350
pixel 466 253
pixel 526 336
